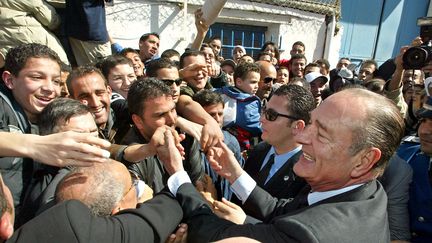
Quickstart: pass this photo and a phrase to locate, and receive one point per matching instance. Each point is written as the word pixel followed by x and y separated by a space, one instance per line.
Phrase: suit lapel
pixel 283 177
pixel 255 160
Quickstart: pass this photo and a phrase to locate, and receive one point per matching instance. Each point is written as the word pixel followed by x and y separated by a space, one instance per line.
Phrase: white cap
pixel 310 77
pixel 239 46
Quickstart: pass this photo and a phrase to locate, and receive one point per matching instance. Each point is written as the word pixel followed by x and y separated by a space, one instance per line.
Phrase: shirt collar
pixel 315 197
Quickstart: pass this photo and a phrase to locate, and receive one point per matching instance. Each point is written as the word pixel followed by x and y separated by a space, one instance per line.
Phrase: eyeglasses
pixel 269 79
pixel 137 183
pixel 170 82
pixel 272 115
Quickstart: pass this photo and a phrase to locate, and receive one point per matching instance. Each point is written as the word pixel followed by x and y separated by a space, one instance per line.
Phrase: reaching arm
pixel 60 149
pixel 202 29
pixel 211 132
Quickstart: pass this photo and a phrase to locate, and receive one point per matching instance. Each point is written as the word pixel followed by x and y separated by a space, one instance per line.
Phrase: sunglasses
pixel 269 79
pixel 170 82
pixel 272 115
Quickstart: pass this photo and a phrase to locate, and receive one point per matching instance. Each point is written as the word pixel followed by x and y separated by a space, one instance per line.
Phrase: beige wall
pixel 127 20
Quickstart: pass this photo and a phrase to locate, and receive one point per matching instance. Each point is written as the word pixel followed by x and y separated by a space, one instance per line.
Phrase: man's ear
pixel 109 90
pixel 8 79
pixel 367 161
pixel 238 81
pixel 298 126
pixel 6 226
pixel 137 121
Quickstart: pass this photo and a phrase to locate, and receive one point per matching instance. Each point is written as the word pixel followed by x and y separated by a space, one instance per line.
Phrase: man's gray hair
pixel 101 190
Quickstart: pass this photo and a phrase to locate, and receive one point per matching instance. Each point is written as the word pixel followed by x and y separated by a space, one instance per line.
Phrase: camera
pixel 418 56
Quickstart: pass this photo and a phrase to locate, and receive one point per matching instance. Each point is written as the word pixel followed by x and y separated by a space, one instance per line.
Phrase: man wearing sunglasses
pixel 271 162
pixel 268 76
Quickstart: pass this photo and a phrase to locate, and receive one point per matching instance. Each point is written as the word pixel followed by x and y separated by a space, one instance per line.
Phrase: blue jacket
pixel 420 202
pixel 241 109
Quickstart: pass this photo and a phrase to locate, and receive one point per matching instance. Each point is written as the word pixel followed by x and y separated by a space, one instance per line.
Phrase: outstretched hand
pixel 230 211
pixel 200 22
pixel 68 149
pixel 211 134
pixel 223 162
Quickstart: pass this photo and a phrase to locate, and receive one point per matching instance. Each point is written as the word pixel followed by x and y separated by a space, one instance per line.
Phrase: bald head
pixel 101 187
pixel 267 75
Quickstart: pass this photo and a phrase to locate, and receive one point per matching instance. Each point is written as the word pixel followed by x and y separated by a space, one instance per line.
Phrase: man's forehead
pixel 92 81
pixel 42 64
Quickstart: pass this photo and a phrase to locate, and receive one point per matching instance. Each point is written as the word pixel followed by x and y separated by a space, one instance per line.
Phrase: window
pixel 250 37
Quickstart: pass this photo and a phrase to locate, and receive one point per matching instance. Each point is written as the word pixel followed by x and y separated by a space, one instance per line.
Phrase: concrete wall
pixel 127 20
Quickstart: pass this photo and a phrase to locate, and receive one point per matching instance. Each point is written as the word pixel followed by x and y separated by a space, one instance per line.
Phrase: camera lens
pixel 415 58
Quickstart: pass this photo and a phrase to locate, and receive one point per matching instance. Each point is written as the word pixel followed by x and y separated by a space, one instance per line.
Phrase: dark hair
pixel 170 53
pixel 300 101
pixel 383 127
pixel 127 50
pixel 242 70
pixel 65 68
pixel 82 71
pixel 323 61
pixel 375 85
pixel 298 56
pixel 17 57
pixel 299 43
pixel 147 35
pixel 215 37
pixel 312 64
pixel 207 97
pixel 245 55
pixel 305 84
pixel 58 113
pixel 111 62
pixel 189 53
pixel 262 54
pixel 154 65
pixel 370 62
pixel 143 90
pixel 276 49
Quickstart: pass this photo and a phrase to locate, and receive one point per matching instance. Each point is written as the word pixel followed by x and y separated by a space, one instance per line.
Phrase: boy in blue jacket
pixel 242 106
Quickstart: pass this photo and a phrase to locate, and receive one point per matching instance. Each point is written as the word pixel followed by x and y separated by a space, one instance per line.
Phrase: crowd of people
pixel 129 145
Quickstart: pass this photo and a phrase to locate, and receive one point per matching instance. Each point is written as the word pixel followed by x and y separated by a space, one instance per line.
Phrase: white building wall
pixel 127 20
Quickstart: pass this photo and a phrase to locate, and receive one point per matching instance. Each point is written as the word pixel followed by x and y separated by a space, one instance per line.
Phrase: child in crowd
pixel 242 106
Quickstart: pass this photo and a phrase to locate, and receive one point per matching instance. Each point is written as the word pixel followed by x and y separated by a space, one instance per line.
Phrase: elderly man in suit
pixel 345 148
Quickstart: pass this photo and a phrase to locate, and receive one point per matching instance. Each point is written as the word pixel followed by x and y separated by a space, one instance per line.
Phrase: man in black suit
pixel 270 163
pixel 345 148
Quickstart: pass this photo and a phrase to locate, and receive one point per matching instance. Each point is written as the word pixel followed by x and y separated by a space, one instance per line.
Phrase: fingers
pixel 95 141
pixel 180 235
pixel 91 153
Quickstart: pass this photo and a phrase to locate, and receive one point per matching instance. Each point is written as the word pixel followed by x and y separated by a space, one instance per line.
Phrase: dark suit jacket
pixel 71 221
pixel 358 215
pixel 284 183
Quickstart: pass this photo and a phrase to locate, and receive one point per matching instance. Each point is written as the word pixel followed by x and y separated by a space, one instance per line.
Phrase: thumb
pixel 229 204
